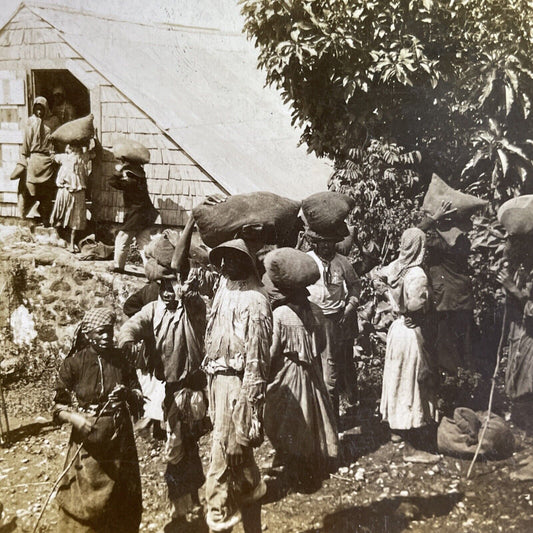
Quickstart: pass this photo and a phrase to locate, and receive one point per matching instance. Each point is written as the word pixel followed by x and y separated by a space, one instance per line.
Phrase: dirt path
pixel 374 491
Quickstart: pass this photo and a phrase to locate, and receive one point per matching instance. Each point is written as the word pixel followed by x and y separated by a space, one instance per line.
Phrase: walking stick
pixel 4 433
pixel 496 368
pixel 67 468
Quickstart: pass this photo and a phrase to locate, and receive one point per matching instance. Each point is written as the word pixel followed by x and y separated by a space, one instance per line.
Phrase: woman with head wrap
pixel 407 399
pixel 101 491
pixel 299 417
pixel 39 185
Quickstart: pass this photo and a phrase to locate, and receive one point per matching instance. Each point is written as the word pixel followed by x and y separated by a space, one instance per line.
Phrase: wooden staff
pixel 67 468
pixel 496 368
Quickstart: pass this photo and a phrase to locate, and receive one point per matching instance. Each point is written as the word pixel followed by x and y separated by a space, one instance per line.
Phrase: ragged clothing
pixel 299 417
pixel 174 338
pixel 101 492
pixel 238 339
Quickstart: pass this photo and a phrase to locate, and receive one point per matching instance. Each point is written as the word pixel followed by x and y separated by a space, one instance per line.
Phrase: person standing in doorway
pixel 37 149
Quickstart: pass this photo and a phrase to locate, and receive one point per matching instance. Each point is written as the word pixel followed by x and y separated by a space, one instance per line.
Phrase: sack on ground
pixel 516 215
pixel 459 437
pixel 131 151
pixel 93 250
pixel 222 222
pixel 440 191
pixel 288 268
pixel 80 130
pixel 325 212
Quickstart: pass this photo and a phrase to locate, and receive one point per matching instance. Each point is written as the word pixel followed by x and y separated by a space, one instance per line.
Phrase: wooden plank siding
pixel 175 182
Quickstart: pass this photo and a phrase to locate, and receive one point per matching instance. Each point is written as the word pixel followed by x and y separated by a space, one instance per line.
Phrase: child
pixel 69 208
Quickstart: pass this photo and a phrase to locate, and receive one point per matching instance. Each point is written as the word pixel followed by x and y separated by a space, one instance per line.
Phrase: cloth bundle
pixel 274 216
pixel 76 131
pixel 325 214
pixel 516 215
pixel 440 191
pixel 459 436
pixel 131 151
pixel 290 269
pixel 159 252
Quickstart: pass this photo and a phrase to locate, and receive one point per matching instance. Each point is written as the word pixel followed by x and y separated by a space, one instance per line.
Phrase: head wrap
pixel 93 319
pixel 412 252
pixel 96 318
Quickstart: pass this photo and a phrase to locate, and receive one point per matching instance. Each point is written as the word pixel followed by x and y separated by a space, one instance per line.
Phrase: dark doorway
pixel 46 81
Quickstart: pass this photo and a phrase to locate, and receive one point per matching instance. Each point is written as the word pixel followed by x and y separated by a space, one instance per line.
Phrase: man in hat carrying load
pixel 140 214
pixel 173 329
pixel 239 334
pixel 336 292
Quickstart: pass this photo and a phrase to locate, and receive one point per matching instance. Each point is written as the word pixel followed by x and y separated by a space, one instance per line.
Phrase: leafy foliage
pixel 382 181
pixel 430 75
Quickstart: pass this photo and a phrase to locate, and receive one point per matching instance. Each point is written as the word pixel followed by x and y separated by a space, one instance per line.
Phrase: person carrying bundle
pixel 140 214
pixel 299 418
pixel 172 330
pixel 238 338
pixel 336 292
pixel 446 224
pixel 74 170
pixel 101 490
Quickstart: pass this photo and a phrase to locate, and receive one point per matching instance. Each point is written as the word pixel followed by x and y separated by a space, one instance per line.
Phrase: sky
pixel 221 14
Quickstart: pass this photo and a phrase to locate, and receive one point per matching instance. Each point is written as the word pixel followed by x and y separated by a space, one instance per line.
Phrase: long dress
pixel 101 491
pixel 519 372
pixel 299 417
pixel 405 404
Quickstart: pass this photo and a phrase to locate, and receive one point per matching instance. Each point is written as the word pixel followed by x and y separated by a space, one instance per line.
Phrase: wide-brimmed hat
pixel 235 245
pixel 336 234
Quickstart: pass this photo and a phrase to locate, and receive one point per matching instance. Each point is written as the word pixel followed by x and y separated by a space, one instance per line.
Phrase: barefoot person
pixel 69 208
pixel 239 334
pixel 299 418
pixel 101 491
pixel 408 391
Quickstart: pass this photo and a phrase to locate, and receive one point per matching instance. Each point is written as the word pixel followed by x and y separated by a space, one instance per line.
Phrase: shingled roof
pixel 201 86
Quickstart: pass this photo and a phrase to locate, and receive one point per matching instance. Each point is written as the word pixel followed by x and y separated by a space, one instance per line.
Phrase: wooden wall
pixel 175 182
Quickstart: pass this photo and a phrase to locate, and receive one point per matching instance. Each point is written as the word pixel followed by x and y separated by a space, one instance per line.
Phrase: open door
pixel 13 115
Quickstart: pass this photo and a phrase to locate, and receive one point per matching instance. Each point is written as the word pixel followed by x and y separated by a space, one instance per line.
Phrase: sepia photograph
pixel 266 266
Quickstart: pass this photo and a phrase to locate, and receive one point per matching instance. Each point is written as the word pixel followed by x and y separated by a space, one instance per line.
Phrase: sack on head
pixel 76 131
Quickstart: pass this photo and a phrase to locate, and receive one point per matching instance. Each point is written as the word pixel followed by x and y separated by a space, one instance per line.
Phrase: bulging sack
pixel 275 216
pixel 131 151
pixel 516 215
pixel 439 191
pixel 325 212
pixel 288 268
pixel 80 130
pixel 459 437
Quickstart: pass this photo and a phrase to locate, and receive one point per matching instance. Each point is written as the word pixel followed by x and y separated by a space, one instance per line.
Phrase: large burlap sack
pixel 80 130
pixel 440 191
pixel 221 222
pixel 288 268
pixel 459 437
pixel 516 215
pixel 160 250
pixel 131 151
pixel 325 212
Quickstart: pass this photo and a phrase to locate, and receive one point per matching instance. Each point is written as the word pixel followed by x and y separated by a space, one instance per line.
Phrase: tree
pixel 428 75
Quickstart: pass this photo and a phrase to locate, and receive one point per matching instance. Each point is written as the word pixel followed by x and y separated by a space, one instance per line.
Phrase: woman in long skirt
pixel 299 416
pixel 101 491
pixel 408 392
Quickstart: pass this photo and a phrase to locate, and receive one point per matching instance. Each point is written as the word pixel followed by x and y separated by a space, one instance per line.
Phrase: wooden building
pixel 192 95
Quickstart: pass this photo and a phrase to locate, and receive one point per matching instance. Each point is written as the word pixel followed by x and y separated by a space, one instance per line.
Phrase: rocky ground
pixel 375 489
